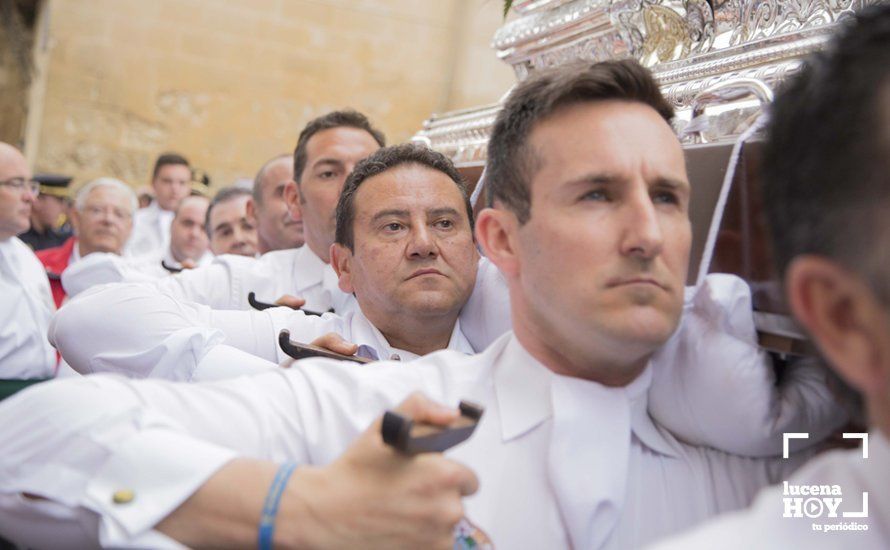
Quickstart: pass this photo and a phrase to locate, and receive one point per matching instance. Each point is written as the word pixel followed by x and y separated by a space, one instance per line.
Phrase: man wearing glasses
pixel 102 220
pixel 25 301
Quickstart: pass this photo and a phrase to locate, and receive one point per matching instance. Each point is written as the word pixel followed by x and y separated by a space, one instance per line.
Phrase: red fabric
pixel 55 260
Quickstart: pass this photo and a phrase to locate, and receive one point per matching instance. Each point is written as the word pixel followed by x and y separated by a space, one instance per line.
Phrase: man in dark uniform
pixel 49 227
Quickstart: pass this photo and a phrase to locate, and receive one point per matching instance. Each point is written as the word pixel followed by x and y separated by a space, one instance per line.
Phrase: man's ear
pixel 496 233
pixel 845 319
pixel 75 221
pixel 341 261
pixel 292 199
pixel 251 208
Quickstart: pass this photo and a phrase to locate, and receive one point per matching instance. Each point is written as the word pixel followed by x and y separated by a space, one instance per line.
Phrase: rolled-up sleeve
pixel 72 447
pixel 134 330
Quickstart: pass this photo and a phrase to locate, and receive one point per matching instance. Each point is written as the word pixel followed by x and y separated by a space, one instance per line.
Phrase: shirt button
pixel 124 496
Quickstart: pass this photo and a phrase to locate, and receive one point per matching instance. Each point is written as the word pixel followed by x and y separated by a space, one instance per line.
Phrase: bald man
pixel 278 228
pixel 26 303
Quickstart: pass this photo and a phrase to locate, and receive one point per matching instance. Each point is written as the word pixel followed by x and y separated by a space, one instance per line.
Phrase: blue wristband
pixel 270 506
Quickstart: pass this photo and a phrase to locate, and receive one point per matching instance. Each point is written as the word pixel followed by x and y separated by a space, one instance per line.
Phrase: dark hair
pixel 384 160
pixel 261 174
pixel 223 195
pixel 826 167
pixel 335 119
pixel 167 159
pixel 511 162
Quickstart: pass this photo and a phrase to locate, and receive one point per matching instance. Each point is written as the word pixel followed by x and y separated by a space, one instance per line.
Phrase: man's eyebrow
pixel 323 161
pixel 596 178
pixel 391 212
pixel 445 210
pixel 672 183
pixel 223 225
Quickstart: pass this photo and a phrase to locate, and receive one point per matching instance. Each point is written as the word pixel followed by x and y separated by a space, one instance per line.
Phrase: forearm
pixel 226 511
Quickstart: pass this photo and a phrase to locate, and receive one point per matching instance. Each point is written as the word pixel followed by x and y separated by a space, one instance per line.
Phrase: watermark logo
pixel 821 502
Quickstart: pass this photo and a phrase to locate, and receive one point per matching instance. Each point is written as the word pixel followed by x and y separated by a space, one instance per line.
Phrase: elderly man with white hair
pixel 102 220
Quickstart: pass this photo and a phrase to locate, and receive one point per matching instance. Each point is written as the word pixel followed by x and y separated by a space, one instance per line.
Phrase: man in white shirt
pixel 827 211
pixel 102 218
pixel 171 181
pixel 566 452
pixel 278 227
pixel 230 229
pixel 404 248
pixel 26 303
pixel 189 243
pixel 327 150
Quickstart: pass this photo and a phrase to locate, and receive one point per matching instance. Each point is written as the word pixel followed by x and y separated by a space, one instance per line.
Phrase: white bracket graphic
pixel 792 435
pixel 864 512
pixel 864 438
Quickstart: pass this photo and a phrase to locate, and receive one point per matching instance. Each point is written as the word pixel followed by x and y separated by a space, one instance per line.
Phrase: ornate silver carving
pixel 690 45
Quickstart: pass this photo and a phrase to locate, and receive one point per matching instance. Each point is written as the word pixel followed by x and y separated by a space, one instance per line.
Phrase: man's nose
pixel 642 232
pixel 423 242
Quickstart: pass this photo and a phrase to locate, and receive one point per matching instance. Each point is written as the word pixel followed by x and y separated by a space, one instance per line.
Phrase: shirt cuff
pixel 149 476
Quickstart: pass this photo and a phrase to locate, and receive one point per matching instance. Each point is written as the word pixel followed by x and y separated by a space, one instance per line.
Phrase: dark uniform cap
pixel 53 184
pixel 200 182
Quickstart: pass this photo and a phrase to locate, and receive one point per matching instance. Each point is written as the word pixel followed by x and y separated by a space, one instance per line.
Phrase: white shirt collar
pixel 524 397
pixel 308 268
pixel 363 330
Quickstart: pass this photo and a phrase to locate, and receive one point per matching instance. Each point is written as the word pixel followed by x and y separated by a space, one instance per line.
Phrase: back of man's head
pixel 335 119
pixel 512 163
pixel 826 169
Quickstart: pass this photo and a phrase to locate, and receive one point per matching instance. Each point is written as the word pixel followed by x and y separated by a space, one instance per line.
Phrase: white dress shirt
pixel 562 462
pixel 227 280
pixel 150 264
pixel 26 305
pixel 172 340
pixel 94 333
pixel 764 526
pixel 151 230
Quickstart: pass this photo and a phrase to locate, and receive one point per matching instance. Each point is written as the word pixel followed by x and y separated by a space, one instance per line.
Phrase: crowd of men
pixel 621 409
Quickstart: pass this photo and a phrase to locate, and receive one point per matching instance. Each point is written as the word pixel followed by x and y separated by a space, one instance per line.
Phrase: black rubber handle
pixel 304 351
pixel 258 305
pixel 404 435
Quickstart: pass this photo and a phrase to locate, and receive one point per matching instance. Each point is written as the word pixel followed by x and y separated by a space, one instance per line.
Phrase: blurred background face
pixel 231 231
pixel 47 210
pixel 15 202
pixel 188 239
pixel 276 227
pixel 105 221
pixel 171 185
pixel 330 157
